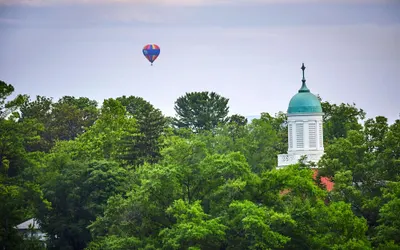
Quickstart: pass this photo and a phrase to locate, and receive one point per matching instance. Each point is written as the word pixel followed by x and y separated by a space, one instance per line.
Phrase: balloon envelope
pixel 151 52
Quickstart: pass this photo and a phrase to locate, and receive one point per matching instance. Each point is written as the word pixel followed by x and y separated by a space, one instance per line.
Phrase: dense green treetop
pixel 124 176
pixel 201 110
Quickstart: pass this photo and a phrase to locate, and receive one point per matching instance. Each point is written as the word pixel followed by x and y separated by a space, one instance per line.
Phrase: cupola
pixel 304 101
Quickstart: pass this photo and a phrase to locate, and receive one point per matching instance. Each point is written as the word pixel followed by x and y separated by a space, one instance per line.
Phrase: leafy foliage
pixel 20 195
pixel 365 168
pixel 123 177
pixel 151 125
pixel 78 193
pixel 339 119
pixel 201 110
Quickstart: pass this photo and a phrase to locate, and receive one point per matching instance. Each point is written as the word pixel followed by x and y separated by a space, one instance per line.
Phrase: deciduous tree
pixel 201 110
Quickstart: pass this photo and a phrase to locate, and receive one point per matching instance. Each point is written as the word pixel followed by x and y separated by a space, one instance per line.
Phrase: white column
pixel 321 135
pixel 317 134
pixel 294 136
pixel 306 137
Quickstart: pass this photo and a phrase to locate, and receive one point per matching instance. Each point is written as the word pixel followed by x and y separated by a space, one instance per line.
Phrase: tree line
pixel 121 175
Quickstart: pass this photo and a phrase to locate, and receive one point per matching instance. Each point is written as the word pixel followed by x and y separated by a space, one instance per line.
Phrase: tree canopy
pixel 124 176
pixel 201 110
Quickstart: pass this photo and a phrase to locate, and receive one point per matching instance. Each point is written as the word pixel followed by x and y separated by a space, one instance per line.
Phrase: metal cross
pixel 303 68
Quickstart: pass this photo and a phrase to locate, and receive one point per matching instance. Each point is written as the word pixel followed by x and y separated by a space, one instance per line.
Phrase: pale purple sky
pixel 249 51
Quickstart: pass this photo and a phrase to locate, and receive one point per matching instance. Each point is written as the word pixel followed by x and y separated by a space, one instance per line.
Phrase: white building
pixel 305 133
pixel 31 229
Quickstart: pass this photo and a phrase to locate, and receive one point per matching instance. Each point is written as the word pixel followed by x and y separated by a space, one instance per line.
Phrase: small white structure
pixel 305 128
pixel 31 229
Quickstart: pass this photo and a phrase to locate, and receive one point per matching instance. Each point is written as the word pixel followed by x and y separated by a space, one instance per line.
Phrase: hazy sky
pixel 249 51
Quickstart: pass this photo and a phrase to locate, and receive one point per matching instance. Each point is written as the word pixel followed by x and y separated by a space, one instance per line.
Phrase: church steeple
pixel 305 127
pixel 303 86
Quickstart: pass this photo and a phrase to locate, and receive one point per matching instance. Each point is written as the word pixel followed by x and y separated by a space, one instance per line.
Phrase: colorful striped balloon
pixel 151 52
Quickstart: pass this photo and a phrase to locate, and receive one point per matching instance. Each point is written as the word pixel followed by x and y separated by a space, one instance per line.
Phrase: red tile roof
pixel 325 180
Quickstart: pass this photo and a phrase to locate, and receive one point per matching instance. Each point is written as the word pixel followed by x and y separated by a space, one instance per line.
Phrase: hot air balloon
pixel 151 52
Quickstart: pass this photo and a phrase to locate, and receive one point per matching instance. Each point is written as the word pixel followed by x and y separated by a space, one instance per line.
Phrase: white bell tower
pixel 305 127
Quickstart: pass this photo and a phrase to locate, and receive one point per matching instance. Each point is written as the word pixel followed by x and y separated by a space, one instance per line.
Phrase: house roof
pixel 325 180
pixel 25 225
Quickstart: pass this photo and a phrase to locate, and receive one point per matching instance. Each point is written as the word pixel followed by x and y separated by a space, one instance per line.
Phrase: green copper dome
pixel 304 101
